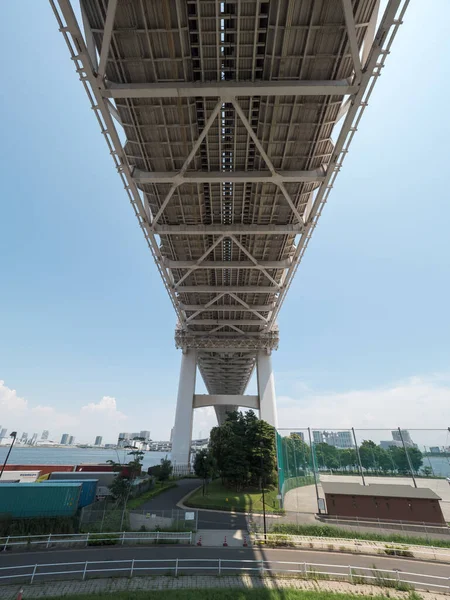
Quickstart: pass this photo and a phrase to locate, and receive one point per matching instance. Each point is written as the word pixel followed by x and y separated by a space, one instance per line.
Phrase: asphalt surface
pixel 206 519
pixel 58 561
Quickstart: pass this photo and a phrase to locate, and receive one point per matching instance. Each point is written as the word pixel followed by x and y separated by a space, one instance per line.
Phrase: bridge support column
pixel 221 412
pixel 182 432
pixel 266 388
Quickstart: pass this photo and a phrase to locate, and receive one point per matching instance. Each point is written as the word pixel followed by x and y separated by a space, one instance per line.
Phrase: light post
pixel 261 445
pixel 13 434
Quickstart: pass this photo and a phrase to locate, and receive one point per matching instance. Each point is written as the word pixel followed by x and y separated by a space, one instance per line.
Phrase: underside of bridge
pixel 228 122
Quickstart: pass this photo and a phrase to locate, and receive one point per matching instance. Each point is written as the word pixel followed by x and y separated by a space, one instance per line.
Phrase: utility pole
pixel 261 445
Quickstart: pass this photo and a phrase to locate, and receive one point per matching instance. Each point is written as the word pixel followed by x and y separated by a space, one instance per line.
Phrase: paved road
pixel 58 560
pixel 206 519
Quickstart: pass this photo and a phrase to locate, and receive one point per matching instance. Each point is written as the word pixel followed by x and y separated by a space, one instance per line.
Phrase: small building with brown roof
pixel 383 501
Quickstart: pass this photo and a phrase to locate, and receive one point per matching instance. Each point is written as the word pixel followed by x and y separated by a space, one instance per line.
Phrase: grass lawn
pixel 220 497
pixel 222 594
pixel 160 486
pixel 325 531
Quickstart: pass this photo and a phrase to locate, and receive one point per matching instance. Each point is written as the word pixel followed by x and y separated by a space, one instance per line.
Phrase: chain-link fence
pixel 309 458
pixel 111 518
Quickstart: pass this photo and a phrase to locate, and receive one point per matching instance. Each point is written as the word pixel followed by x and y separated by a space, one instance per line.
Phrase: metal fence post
pixel 6 543
pixel 87 538
pixel 350 574
pixel 48 541
pixel 123 537
pixel 190 538
pixel 132 568
pixel 306 570
pixel 157 536
pixel 33 574
pixel 262 567
pixel 398 576
pixel 176 568
pixel 220 566
pixel 85 569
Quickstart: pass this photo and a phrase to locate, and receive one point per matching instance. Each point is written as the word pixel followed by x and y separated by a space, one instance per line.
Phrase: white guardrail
pixel 355 546
pixel 178 566
pixel 87 539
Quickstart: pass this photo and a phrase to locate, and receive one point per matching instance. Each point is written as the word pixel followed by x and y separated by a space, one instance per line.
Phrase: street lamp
pixel 13 434
pixel 261 445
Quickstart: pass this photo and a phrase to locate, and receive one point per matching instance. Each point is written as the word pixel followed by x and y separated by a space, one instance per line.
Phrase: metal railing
pixel 177 566
pixel 356 546
pixel 87 539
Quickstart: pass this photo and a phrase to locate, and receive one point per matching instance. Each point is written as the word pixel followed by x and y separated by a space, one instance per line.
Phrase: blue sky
pixel 86 328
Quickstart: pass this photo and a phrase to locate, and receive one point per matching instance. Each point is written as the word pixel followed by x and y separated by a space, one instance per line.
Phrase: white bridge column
pixel 182 432
pixel 221 412
pixel 266 388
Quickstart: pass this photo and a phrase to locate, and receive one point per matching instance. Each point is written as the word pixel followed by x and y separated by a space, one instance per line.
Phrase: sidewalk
pixel 103 586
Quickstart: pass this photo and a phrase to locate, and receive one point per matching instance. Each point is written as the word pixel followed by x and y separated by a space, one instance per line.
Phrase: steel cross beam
pixel 228 90
pixel 238 229
pixel 225 264
pixel 277 177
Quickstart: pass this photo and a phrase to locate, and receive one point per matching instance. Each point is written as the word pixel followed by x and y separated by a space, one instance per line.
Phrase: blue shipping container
pixel 27 500
pixel 88 489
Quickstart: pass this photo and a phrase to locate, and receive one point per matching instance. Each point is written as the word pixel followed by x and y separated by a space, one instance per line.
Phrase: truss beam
pixel 236 289
pixel 225 322
pixel 203 230
pixel 228 307
pixel 228 90
pixel 225 264
pixel 276 178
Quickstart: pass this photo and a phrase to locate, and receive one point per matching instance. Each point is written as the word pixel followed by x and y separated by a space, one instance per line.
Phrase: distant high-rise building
pixel 435 450
pixel 386 444
pixel 145 435
pixel 71 440
pixel 397 436
pixel 338 439
pixel 3 433
pixel 24 437
pixel 135 435
pixel 98 440
pixel 34 439
pixel 65 438
pixel 45 434
pixel 317 437
pixel 171 435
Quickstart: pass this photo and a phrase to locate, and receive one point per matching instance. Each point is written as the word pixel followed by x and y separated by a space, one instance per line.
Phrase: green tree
pixel 348 458
pixel 120 489
pixel 204 465
pixel 163 471
pixel 244 450
pixel 326 455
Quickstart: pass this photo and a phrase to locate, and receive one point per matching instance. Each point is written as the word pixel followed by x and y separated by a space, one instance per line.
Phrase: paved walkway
pixel 216 537
pixel 102 586
pixel 170 499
